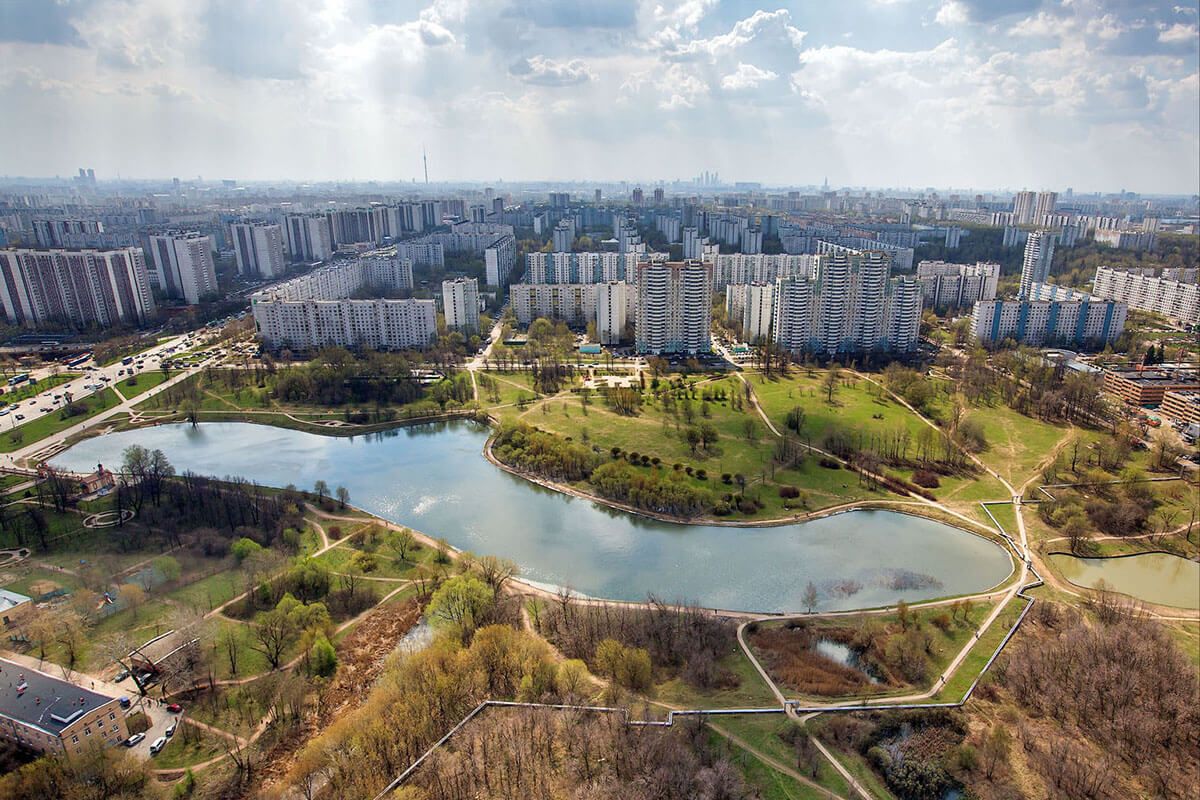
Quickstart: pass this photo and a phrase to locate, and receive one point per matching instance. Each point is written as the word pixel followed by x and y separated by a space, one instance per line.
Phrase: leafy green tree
pixel 460 603
pixel 323 658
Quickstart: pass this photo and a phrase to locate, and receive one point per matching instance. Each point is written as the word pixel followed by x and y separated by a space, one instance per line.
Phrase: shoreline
pixel 909 508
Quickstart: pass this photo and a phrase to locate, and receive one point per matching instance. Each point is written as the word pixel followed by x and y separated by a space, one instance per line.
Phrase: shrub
pixel 925 478
pixel 941 621
pixel 726 477
pixel 702 474
pixel 747 506
pixel 829 463
pixel 789 492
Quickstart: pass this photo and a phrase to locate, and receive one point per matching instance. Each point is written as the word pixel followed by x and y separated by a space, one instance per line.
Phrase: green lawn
pixel 142 382
pixel 1004 513
pixel 49 424
pixel 190 745
pixel 1017 444
pixel 23 580
pixel 206 594
pixel 969 669
pixel 657 432
pixel 763 733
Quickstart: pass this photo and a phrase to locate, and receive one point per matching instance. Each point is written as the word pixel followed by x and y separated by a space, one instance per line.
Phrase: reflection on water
pixel 1154 577
pixel 434 478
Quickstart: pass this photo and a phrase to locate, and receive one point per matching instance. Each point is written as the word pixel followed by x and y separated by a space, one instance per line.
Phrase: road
pixel 44 403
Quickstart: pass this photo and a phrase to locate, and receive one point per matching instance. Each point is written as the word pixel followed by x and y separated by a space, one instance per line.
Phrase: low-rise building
pixel 13 606
pixel 1181 405
pixel 42 713
pixel 1146 387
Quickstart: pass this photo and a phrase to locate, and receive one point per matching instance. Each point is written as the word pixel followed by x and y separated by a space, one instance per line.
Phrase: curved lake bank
pixel 1160 578
pixel 435 479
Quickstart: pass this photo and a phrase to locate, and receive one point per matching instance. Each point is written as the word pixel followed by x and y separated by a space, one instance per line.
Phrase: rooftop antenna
pixel 425 161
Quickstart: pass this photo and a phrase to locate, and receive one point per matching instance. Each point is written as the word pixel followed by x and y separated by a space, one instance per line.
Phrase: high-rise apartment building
pixel 751 307
pixel 183 265
pixel 579 267
pixel 1039 253
pixel 1044 206
pixel 460 304
pixel 957 285
pixel 573 303
pixel 83 288
pixel 851 306
pixel 1177 299
pixel 259 249
pixel 564 235
pixel 1024 206
pixel 693 243
pixel 314 310
pixel 1088 323
pixel 674 307
pixel 65 232
pixel 308 237
pixel 613 300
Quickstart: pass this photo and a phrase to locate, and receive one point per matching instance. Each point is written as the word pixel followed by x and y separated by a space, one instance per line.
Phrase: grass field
pixel 206 594
pixel 49 424
pixel 744 446
pixel 764 733
pixel 1017 445
pixel 970 667
pixel 33 582
pixel 190 745
pixel 142 382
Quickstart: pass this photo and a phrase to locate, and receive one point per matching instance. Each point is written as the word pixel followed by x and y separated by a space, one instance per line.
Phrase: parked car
pixel 125 702
pixel 132 741
pixel 170 731
pixel 120 676
pixel 20 416
pixel 174 708
pixel 158 745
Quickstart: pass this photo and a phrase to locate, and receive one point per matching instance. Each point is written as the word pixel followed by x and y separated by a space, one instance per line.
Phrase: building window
pixel 74 740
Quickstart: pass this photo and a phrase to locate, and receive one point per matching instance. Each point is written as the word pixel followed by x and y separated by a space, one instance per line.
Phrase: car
pixel 125 702
pixel 20 416
pixel 33 402
pixel 174 708
pixel 4 411
pixel 45 410
pixel 158 745
pixel 170 731
pixel 134 740
pixel 120 676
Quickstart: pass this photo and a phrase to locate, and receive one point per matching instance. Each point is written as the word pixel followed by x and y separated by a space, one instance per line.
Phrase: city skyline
pixel 1092 94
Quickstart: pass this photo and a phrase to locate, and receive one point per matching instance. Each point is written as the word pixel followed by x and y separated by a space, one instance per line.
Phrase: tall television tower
pixel 425 161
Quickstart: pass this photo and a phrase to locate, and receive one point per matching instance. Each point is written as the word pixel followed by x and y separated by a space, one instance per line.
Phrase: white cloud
pixel 747 76
pixel 1178 33
pixel 547 72
pixel 951 13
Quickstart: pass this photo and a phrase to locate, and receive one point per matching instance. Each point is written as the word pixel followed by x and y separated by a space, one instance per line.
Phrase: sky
pixel 969 94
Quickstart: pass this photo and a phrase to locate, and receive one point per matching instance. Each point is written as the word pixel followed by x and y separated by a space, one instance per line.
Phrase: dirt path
pixel 773 763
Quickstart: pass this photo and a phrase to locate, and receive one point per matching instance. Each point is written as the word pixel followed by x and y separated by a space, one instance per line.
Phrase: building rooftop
pixel 35 698
pixel 11 599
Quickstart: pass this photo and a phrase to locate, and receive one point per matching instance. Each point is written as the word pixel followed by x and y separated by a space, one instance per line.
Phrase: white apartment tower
pixel 183 265
pixel 612 302
pixel 1044 207
pixel 674 313
pixel 259 249
pixel 1024 205
pixel 460 304
pixel 309 237
pixel 1039 252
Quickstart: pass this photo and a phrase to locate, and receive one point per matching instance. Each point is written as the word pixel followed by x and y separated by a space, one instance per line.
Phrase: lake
pixel 1161 578
pixel 435 479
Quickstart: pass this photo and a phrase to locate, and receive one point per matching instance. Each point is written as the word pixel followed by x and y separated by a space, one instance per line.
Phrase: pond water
pixel 435 479
pixel 1154 577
